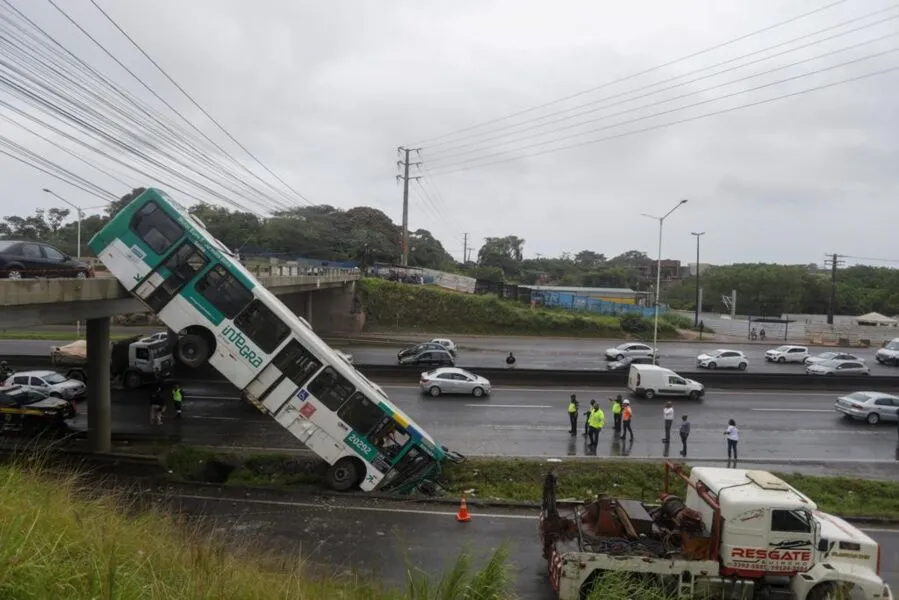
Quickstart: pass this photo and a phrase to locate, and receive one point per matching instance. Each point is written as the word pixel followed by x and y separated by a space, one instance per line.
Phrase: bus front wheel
pixel 192 351
pixel 343 475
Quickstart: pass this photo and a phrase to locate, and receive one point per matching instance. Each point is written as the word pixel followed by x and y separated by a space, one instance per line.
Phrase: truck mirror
pixel 823 545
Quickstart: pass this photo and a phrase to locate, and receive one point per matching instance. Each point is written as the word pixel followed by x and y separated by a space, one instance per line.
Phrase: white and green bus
pixel 167 259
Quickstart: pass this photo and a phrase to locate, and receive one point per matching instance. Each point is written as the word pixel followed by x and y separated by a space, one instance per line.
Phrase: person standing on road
pixel 733 436
pixel 597 421
pixel 668 416
pixel 510 361
pixel 157 405
pixel 616 414
pixel 572 414
pixel 684 434
pixel 177 397
pixel 587 414
pixel 626 416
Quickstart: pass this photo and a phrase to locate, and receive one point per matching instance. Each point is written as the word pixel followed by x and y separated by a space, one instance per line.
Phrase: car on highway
pixel 51 382
pixel 446 343
pixel 787 354
pixel 630 349
pixel 26 409
pixel 432 357
pixel 826 356
pixel 418 349
pixel 722 359
pixel 650 381
pixel 871 407
pixel 838 367
pixel 451 380
pixel 20 259
pixel 889 354
pixel 626 362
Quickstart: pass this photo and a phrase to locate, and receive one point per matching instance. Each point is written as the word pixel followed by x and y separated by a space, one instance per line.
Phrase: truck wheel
pixel 77 374
pixel 830 591
pixel 649 394
pixel 343 475
pixel 132 380
pixel 192 351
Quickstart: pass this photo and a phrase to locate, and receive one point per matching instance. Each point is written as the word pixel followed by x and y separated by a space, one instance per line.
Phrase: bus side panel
pixel 279 396
pixel 329 449
pixel 126 264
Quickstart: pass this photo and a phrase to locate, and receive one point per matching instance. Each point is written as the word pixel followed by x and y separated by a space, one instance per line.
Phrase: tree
pixel 506 253
pixel 588 259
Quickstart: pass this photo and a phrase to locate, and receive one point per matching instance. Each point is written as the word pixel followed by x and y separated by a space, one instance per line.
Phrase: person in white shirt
pixel 668 415
pixel 733 436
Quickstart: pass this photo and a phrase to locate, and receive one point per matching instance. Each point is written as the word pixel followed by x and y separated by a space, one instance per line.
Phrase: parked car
pixel 838 367
pixel 722 359
pixel 826 356
pixel 626 362
pixel 889 354
pixel 446 343
pixel 871 407
pixel 785 354
pixel 25 258
pixel 51 382
pixel 418 349
pixel 451 380
pixel 26 409
pixel 629 349
pixel 433 357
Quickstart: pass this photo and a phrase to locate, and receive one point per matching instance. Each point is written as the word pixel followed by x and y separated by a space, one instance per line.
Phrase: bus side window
pixel 155 228
pixel 223 291
pixel 389 437
pixel 297 363
pixel 331 388
pixel 366 417
pixel 262 326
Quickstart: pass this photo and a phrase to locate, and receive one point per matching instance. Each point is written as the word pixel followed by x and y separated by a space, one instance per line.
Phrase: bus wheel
pixel 343 474
pixel 192 351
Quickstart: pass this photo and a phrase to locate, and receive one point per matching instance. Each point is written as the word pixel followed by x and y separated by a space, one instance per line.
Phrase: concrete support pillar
pixel 308 315
pixel 99 409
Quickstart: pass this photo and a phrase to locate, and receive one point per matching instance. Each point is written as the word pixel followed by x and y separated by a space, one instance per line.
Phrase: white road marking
pixel 820 410
pixel 510 405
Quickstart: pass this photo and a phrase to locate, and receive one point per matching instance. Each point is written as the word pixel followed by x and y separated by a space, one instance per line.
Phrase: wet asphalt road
pixel 533 353
pixel 380 539
pixel 775 427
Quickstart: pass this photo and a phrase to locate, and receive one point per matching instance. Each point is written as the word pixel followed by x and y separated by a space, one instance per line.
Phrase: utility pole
pixel 698 297
pixel 405 178
pixel 835 261
pixel 465 249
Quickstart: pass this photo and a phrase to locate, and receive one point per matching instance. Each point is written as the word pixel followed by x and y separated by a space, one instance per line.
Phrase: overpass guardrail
pixel 580 377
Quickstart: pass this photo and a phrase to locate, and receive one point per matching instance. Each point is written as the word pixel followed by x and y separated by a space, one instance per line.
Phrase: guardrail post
pixel 99 419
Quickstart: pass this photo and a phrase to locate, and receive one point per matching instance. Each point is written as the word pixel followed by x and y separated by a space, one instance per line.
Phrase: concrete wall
pixel 335 310
pixel 849 334
pixel 451 281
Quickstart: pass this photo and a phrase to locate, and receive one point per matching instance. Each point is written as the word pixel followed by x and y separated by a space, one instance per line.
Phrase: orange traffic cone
pixel 463 516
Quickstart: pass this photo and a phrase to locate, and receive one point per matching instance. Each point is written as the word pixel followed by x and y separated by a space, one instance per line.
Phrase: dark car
pixel 433 357
pixel 626 362
pixel 28 410
pixel 418 349
pixel 21 259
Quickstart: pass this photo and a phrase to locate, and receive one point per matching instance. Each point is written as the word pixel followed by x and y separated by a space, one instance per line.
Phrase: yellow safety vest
pixel 616 408
pixel 572 408
pixel 597 418
pixel 176 395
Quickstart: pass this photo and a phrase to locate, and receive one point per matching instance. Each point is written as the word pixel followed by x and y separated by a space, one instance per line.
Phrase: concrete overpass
pixel 29 302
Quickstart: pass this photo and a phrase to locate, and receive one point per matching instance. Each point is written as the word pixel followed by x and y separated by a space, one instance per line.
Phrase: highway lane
pixel 532 353
pixel 382 539
pixel 775 427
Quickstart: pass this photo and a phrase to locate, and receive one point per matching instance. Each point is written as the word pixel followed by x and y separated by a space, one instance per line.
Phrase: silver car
pixel 838 367
pixel 49 382
pixel 826 356
pixel 452 380
pixel 629 350
pixel 871 407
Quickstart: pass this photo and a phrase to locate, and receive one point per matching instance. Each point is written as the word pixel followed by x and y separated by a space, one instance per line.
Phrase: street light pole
pixel 655 325
pixel 696 320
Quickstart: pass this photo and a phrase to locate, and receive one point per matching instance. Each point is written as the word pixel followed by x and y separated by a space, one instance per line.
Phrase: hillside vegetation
pixel 403 307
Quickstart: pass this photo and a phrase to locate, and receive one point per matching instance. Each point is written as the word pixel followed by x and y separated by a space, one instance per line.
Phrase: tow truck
pixel 737 534
pixel 134 362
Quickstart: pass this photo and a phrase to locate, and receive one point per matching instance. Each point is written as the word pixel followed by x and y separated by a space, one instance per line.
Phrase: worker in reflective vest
pixel 572 414
pixel 177 397
pixel 587 414
pixel 626 415
pixel 597 421
pixel 616 413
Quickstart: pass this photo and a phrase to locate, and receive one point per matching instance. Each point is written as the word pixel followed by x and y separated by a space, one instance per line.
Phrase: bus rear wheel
pixel 343 475
pixel 192 351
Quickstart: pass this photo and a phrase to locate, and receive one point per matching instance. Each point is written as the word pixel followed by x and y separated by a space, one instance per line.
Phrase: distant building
pixel 702 268
pixel 617 295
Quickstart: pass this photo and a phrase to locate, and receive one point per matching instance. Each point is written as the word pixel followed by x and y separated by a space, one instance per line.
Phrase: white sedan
pixel 722 359
pixel 628 350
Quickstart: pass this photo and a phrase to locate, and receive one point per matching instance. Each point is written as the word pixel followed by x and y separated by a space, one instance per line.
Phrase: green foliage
pixel 424 308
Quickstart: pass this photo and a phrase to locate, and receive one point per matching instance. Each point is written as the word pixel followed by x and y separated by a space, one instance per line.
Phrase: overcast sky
pixel 324 92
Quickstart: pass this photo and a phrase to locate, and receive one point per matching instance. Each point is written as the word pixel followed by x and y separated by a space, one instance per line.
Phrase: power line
pixel 445 169
pixel 640 73
pixel 602 103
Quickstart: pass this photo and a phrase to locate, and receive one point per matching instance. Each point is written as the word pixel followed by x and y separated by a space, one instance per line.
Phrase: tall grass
pixel 61 539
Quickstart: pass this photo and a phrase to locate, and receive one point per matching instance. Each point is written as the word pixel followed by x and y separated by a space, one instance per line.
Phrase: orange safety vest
pixel 626 413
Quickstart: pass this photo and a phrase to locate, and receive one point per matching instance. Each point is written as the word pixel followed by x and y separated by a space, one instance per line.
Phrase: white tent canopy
pixel 874 318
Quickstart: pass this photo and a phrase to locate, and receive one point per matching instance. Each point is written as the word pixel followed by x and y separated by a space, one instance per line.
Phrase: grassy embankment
pixel 26 334
pixel 522 480
pixel 414 308
pixel 60 543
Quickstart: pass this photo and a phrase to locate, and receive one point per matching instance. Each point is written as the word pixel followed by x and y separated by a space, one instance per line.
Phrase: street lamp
pixel 78 210
pixel 655 326
pixel 696 320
